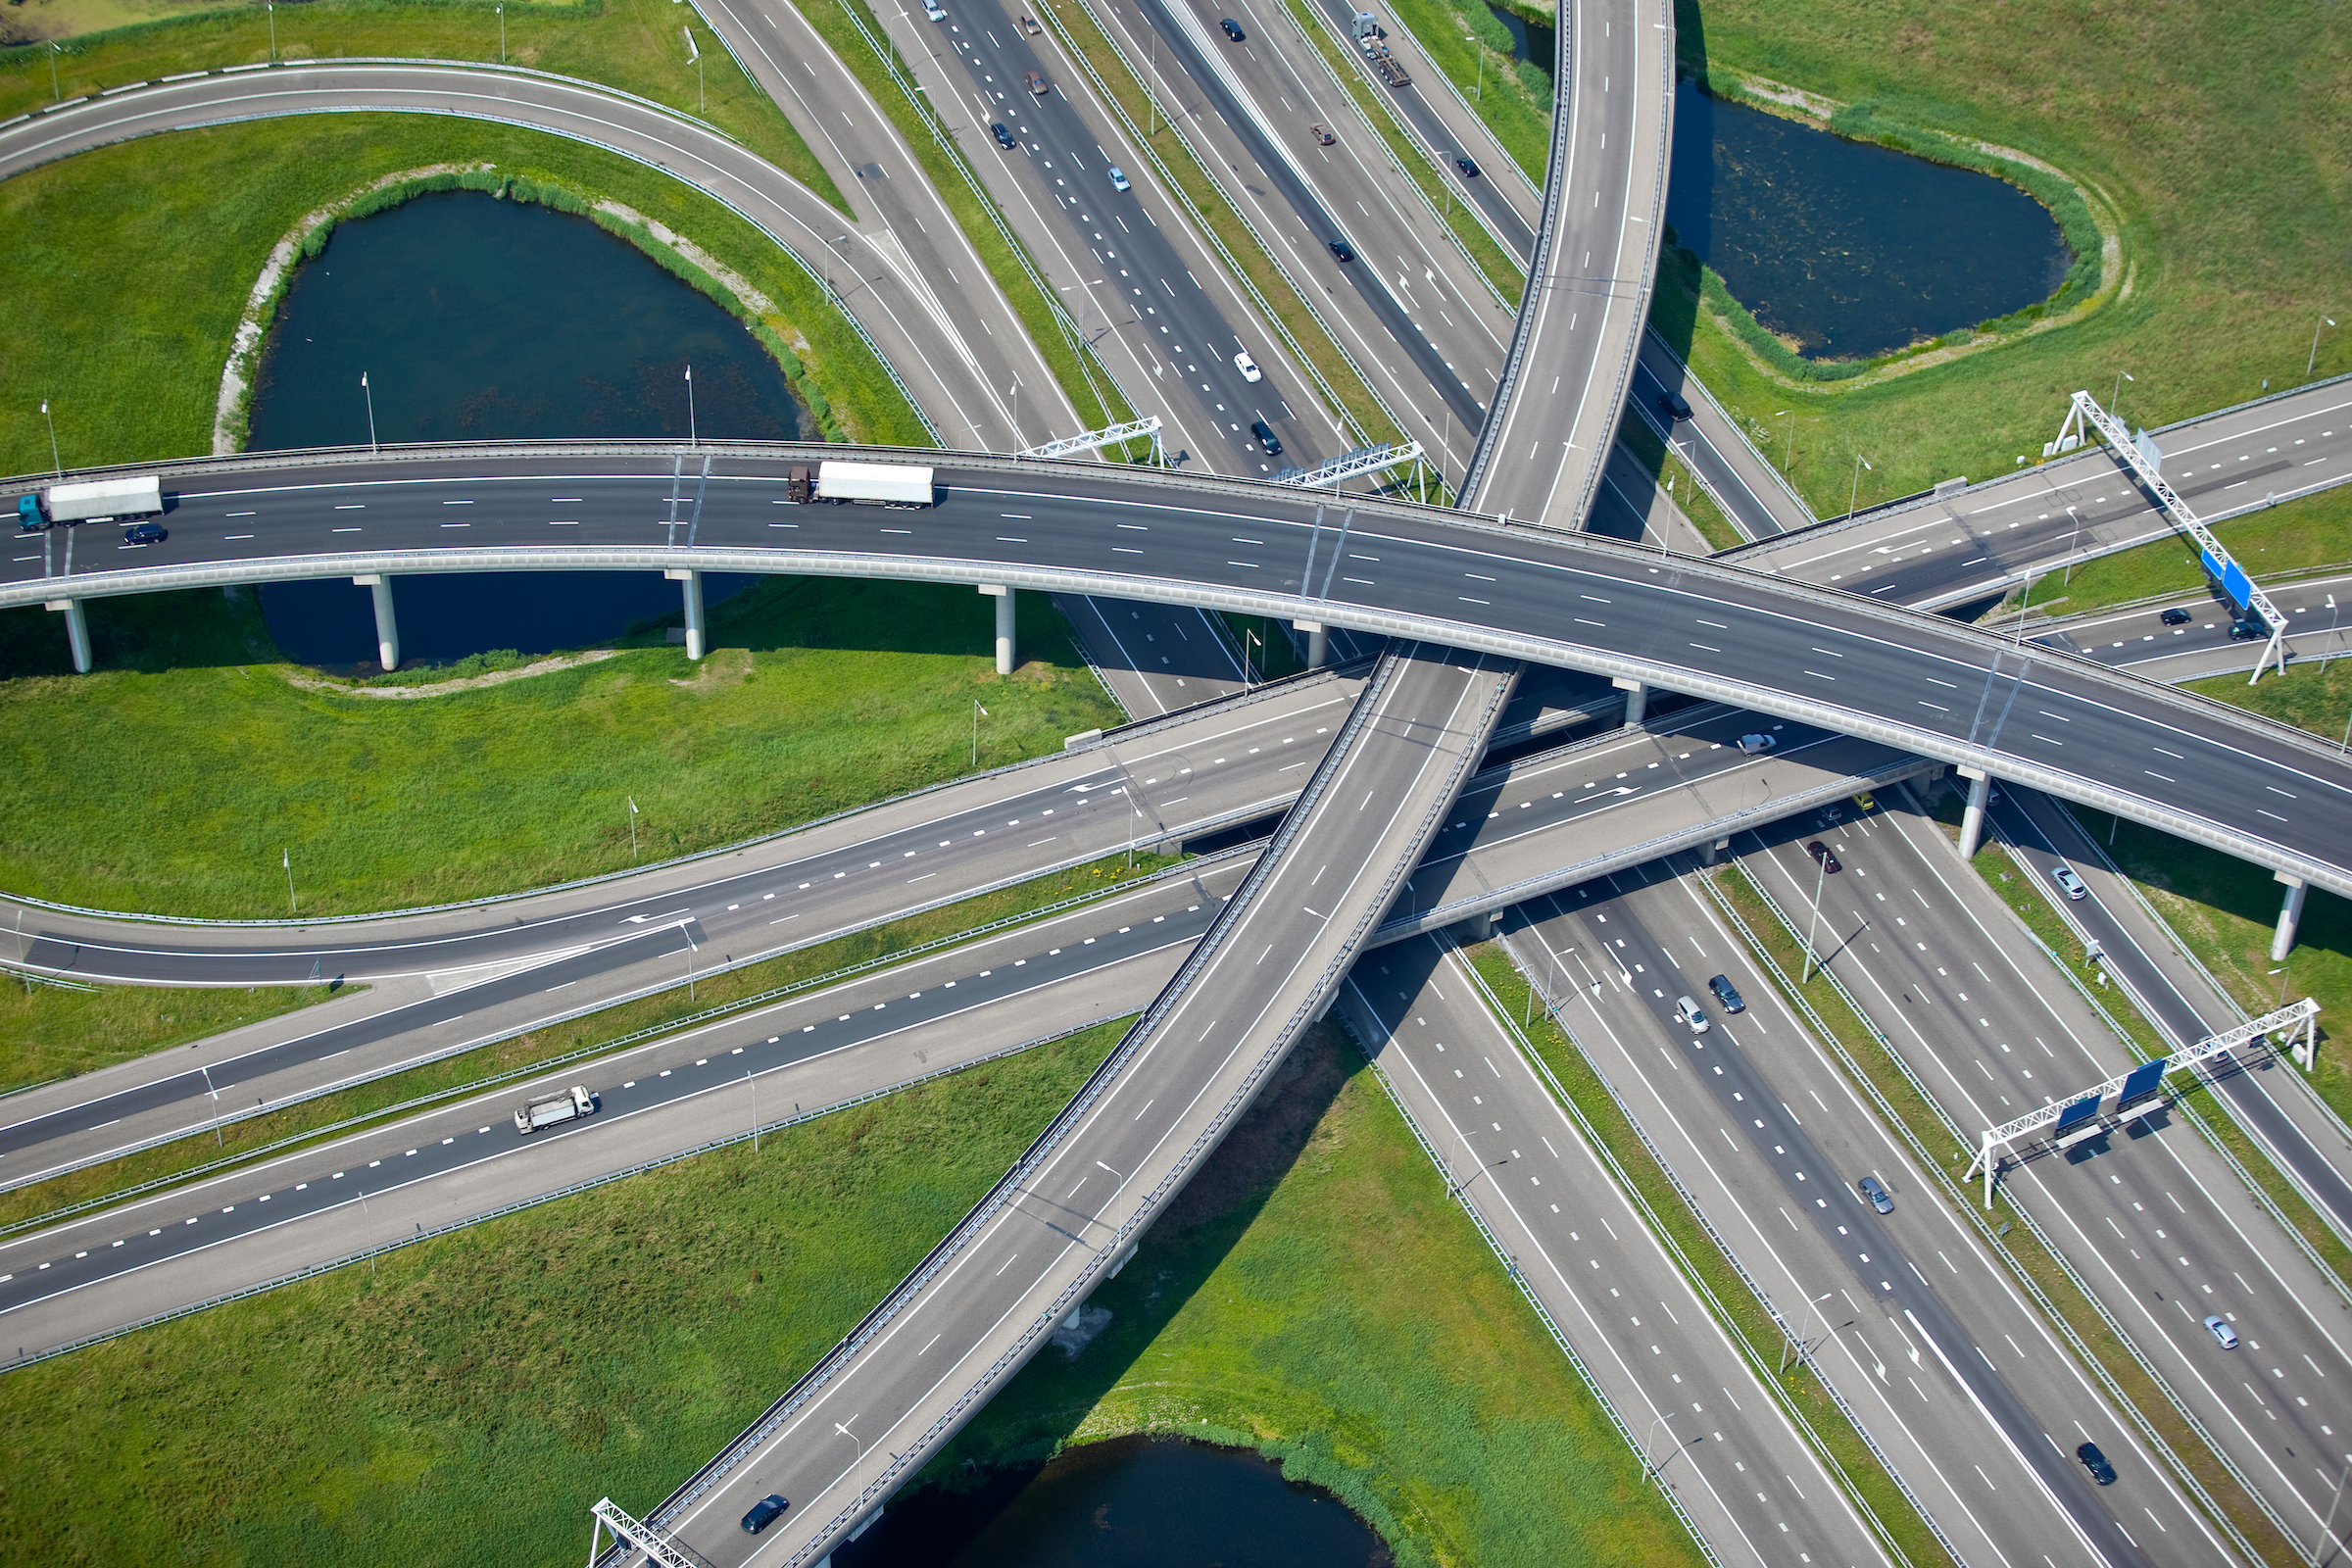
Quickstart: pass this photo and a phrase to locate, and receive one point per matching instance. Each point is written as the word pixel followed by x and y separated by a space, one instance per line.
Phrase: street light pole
pixel 371 446
pixel 59 461
pixel 632 799
pixel 2071 540
pixel 2025 607
pixel 286 858
pixel 978 713
pixel 1821 875
pixel 1790 456
pixel 2325 652
pixel 274 29
pixel 2314 359
pixel 2121 376
pixel 1854 491
pixel 502 35
pixel 692 439
pixel 1480 45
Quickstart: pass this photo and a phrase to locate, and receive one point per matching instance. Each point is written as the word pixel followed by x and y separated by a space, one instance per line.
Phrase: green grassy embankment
pixel 1666 468
pixel 605 1344
pixel 127 325
pixel 711 997
pixel 635 45
pixel 821 696
pixel 2294 538
pixel 1314 1293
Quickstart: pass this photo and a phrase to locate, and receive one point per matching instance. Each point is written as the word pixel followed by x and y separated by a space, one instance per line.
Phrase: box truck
pixel 889 484
pixel 92 501
pixel 549 1111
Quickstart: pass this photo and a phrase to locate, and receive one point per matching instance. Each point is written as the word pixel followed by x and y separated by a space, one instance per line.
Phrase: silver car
pixel 2068 883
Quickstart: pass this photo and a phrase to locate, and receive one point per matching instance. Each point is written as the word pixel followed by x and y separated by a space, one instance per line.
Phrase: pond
pixel 476 319
pixel 1132 1503
pixel 1847 249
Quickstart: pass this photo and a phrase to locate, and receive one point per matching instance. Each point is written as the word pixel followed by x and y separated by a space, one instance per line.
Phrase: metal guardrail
pixel 1692 1272
pixel 1991 1239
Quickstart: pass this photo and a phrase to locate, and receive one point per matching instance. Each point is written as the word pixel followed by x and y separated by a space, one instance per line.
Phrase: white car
pixel 1689 1012
pixel 1118 178
pixel 2068 883
pixel 1243 362
pixel 2221 1330
pixel 931 9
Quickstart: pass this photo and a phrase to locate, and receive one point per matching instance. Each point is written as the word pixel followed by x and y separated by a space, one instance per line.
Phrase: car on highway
pixel 1266 437
pixel 2068 883
pixel 1689 1012
pixel 1865 803
pixel 1874 1190
pixel 145 534
pixel 1343 249
pixel 1671 405
pixel 763 1513
pixel 1833 813
pixel 1243 362
pixel 2246 630
pixel 1322 134
pixel 1003 136
pixel 1821 852
pixel 931 9
pixel 1757 745
pixel 1035 81
pixel 2176 616
pixel 1469 170
pixel 1118 178
pixel 2096 1464
pixel 2220 1328
pixel 1232 28
pixel 1726 993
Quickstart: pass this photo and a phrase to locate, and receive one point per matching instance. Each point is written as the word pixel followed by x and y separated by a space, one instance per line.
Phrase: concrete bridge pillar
pixel 2290 915
pixel 692 582
pixel 387 626
pixel 1637 700
pixel 1318 642
pixel 77 631
pixel 1972 821
pixel 1007 654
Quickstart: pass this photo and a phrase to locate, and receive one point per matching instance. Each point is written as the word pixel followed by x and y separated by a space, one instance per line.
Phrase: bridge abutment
pixel 387 625
pixel 1318 642
pixel 77 631
pixel 1008 653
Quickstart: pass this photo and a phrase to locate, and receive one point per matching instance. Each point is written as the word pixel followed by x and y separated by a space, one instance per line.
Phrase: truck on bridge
pixel 889 484
pixel 94 501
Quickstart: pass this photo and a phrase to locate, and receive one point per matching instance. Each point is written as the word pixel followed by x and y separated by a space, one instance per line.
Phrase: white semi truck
pixel 92 501
pixel 549 1111
pixel 889 484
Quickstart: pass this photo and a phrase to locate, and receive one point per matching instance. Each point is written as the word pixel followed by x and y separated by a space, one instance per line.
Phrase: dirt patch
pixel 496 677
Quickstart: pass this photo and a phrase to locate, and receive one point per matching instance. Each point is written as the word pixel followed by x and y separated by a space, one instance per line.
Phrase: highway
pixel 1682 1392
pixel 1977 543
pixel 1917 682
pixel 2135 638
pixel 1954 1375
pixel 2152 1220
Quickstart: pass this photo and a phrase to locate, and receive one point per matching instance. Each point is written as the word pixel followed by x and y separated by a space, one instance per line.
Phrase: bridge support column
pixel 387 626
pixel 77 631
pixel 1714 851
pixel 2290 915
pixel 1972 821
pixel 1637 700
pixel 1006 651
pixel 691 581
pixel 1318 642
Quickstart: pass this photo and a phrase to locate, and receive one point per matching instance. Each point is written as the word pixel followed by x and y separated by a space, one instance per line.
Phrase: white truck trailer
pixel 889 484
pixel 92 501
pixel 548 1110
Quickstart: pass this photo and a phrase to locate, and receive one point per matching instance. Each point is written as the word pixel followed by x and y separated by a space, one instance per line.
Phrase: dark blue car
pixel 763 1513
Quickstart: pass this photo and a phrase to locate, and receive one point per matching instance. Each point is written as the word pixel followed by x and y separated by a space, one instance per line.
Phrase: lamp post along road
pixel 370 394
pixel 1853 491
pixel 2313 360
pixel 693 437
pixel 55 461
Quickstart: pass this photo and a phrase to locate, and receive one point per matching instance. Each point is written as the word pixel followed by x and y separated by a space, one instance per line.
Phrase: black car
pixel 1003 136
pixel 1821 852
pixel 1726 993
pixel 1343 249
pixel 1673 406
pixel 2175 617
pixel 1266 437
pixel 144 533
pixel 2245 630
pixel 1469 170
pixel 2096 1464
pixel 1233 29
pixel 763 1513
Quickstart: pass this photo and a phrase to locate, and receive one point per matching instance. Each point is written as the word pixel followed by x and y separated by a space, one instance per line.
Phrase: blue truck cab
pixel 29 515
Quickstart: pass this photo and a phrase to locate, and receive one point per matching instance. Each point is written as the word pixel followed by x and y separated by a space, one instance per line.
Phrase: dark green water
pixel 1133 1502
pixel 1847 249
pixel 479 319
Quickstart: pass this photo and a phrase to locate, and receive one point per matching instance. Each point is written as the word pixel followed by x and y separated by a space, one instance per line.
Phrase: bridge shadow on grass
pixel 1044 1405
pixel 150 633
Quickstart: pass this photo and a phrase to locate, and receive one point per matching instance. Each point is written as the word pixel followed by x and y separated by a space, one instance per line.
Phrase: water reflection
pixel 476 319
pixel 1133 1502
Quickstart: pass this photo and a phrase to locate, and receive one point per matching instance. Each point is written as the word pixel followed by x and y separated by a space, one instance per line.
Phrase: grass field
pixel 2206 126
pixel 822 695
pixel 2295 536
pixel 1289 1298
pixel 635 45
pixel 49 1032
pixel 124 326
pixel 468 1402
